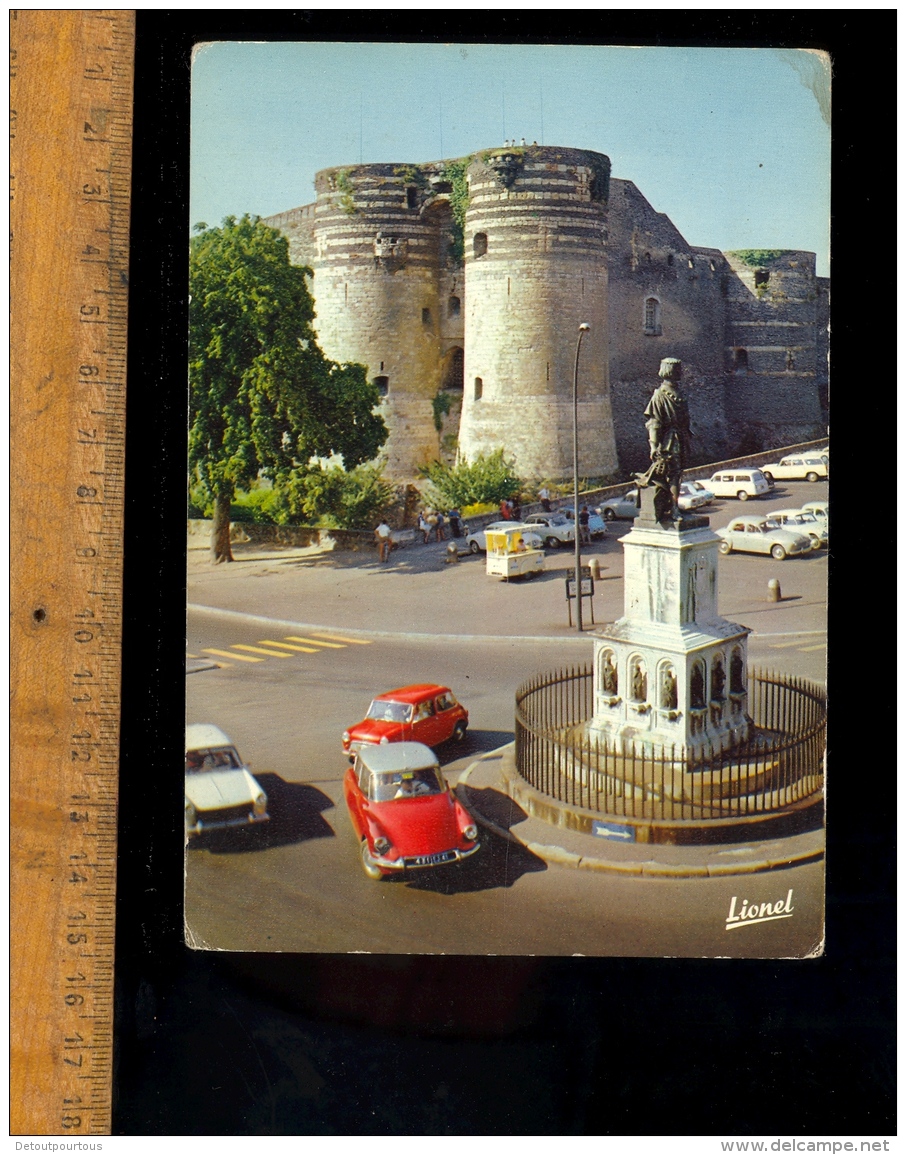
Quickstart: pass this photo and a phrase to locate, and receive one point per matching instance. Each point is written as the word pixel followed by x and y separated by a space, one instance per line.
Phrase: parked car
pixel 818 508
pixel 755 536
pixel 555 528
pixel 739 483
pixel 800 522
pixel 693 495
pixel 220 789
pixel 626 505
pixel 477 542
pixel 404 814
pixel 596 526
pixel 424 713
pixel 797 467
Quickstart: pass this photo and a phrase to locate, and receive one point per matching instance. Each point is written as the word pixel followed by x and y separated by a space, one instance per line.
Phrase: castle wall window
pixel 454 306
pixel 652 320
pixel 411 197
pixel 741 361
pixel 383 384
pixel 670 258
pixel 480 244
pixel 648 258
pixel 762 276
pixel 426 316
pixel 479 389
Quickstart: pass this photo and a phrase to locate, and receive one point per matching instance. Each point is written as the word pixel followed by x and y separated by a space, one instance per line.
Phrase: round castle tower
pixel 535 269
pixel 384 282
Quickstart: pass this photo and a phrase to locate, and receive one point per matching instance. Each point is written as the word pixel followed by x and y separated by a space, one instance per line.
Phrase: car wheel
pixel 742 495
pixel 778 553
pixel 724 547
pixel 373 871
pixel 459 731
pixel 609 515
pixel 552 542
pixel 816 542
pixel 474 547
pixel 813 477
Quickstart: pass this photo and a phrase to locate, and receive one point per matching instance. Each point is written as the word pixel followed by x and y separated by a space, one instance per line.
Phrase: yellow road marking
pixel 312 642
pixel 258 650
pixel 238 657
pixel 348 641
pixel 808 649
pixel 286 646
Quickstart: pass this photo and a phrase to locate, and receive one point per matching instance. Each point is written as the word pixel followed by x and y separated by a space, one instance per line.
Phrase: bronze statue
pixel 737 680
pixel 667 422
pixel 697 688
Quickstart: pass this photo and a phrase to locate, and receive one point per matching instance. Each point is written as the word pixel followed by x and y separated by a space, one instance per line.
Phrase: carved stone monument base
pixel 670 675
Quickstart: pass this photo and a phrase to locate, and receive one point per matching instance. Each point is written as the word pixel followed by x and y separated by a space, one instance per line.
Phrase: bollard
pixel 595 566
pixel 452 553
pixel 774 590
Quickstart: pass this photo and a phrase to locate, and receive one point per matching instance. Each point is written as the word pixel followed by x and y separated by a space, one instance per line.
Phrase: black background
pixel 212 1044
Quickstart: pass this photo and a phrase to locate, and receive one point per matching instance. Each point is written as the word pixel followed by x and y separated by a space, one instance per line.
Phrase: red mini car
pixel 424 713
pixel 404 813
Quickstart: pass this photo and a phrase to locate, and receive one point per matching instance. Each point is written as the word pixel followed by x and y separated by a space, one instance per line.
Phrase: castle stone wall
pixel 552 242
pixel 535 270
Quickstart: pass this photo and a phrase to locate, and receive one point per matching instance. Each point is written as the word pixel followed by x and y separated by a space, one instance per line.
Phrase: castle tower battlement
pixel 535 269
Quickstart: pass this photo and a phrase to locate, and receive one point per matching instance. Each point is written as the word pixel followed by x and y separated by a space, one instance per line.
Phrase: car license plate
pixel 432 859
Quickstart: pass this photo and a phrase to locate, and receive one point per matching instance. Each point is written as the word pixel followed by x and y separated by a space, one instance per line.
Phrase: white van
pixel 739 483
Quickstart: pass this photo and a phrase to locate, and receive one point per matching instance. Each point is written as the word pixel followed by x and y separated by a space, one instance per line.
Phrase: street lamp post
pixel 583 329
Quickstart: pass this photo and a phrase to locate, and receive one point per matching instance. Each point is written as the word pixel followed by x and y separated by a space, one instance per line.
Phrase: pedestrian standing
pixel 516 507
pixel 504 509
pixel 544 495
pixel 424 527
pixel 439 528
pixel 382 535
pixel 455 521
pixel 584 535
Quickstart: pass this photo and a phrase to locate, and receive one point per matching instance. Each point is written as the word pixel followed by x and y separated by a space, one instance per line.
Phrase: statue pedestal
pixel 671 673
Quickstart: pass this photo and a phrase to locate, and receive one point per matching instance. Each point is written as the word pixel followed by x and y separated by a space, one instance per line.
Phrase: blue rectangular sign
pixel 616 831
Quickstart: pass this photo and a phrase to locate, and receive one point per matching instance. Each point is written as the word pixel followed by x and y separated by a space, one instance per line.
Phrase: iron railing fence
pixel 780 762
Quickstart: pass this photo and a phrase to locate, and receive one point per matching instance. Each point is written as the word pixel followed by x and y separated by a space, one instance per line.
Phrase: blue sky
pixel 732 144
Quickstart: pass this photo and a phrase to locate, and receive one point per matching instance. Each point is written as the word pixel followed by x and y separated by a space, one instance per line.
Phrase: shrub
pixel 332 497
pixel 486 479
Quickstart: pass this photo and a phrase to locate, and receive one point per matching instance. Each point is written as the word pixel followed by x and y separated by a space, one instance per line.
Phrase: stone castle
pixel 461 286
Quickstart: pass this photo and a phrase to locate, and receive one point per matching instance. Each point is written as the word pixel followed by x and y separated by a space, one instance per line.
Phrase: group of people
pixel 511 508
pixel 434 522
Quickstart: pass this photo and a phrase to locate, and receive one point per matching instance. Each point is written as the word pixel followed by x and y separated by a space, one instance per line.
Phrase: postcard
pixel 508 524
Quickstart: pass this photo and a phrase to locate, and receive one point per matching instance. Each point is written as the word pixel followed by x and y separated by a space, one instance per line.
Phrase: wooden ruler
pixel 71 78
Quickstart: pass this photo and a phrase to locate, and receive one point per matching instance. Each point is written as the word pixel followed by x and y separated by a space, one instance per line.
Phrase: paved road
pixel 358 627
pixel 299 886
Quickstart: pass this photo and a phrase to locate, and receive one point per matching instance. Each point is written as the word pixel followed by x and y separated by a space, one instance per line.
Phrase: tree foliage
pixel 263 398
pixel 488 478
pixel 332 497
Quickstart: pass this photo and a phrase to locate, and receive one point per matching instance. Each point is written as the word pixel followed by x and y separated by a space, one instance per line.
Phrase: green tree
pixel 487 478
pixel 263 398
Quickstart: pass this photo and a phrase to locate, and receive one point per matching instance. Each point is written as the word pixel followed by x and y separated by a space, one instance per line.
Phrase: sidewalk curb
pixel 651 869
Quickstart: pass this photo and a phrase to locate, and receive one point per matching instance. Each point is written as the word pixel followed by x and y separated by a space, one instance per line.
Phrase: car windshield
pixel 217 758
pixel 406 784
pixel 557 519
pixel 381 711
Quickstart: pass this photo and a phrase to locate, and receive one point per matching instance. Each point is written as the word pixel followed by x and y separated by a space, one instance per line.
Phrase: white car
pixel 739 483
pixel 797 467
pixel 693 495
pixel 220 790
pixel 800 521
pixel 555 528
pixel 626 505
pixel 477 542
pixel 818 508
pixel 750 535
